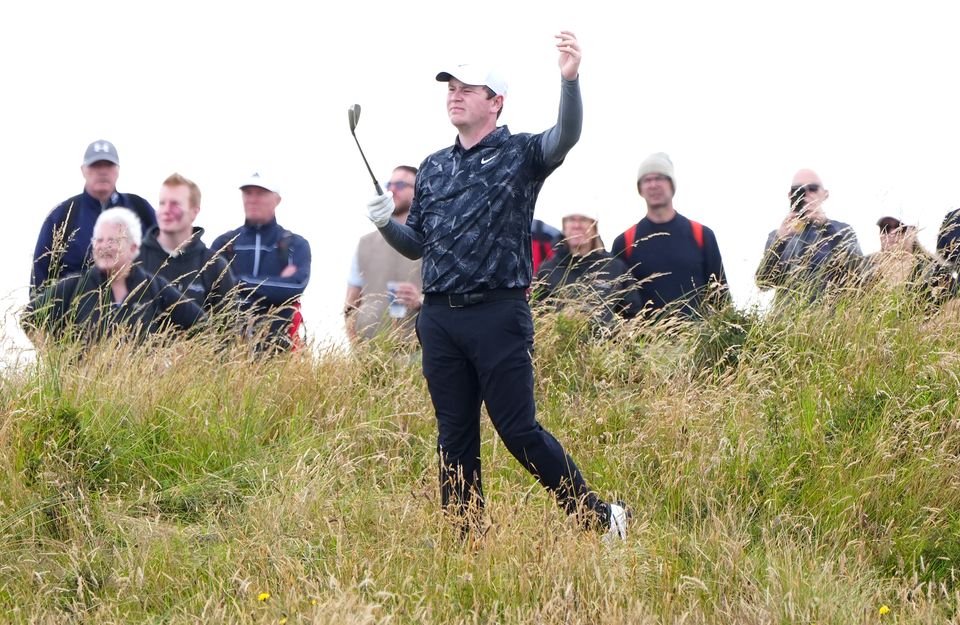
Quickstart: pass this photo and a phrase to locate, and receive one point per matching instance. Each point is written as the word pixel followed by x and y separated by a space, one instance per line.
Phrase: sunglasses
pixel 398 185
pixel 804 188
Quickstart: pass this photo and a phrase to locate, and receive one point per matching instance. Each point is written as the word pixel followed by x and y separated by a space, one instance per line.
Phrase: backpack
pixel 631 234
pixel 543 243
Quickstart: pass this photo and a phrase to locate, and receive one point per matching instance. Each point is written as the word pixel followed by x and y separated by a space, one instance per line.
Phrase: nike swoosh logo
pixel 484 161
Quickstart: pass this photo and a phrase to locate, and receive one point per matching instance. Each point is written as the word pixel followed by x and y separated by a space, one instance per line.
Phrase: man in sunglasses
pixel 383 288
pixel 808 251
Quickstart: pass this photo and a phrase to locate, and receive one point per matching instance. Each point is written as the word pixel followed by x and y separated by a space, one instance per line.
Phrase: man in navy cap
pixel 63 246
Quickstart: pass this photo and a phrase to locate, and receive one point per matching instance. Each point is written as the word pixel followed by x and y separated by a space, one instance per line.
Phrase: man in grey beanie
pixel 675 260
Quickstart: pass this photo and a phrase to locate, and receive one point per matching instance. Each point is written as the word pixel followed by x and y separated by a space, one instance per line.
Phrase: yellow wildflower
pixel 884 609
pixel 283 620
pixel 263 596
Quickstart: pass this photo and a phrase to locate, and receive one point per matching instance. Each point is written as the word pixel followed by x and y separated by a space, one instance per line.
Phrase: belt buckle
pixel 450 300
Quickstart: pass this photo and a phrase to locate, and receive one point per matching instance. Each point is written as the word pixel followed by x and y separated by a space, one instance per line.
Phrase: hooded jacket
pixel 193 269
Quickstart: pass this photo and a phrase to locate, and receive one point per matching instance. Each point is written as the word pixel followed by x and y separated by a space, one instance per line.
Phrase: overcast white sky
pixel 740 94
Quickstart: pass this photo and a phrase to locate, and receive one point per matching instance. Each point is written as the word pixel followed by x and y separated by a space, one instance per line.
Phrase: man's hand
pixel 791 225
pixel 569 54
pixel 380 209
pixel 288 271
pixel 409 295
pixel 814 214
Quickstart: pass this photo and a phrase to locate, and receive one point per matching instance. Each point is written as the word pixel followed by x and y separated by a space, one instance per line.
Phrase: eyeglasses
pixel 804 188
pixel 398 185
pixel 107 240
pixel 654 178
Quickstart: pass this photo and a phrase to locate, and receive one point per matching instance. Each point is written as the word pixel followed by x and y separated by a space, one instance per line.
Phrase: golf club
pixel 353 114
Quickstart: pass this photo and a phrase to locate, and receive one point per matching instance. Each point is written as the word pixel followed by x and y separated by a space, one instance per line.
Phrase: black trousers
pixel 482 353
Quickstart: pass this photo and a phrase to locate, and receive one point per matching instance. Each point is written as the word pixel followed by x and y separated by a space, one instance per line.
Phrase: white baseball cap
pixel 582 211
pixel 257 180
pixel 473 74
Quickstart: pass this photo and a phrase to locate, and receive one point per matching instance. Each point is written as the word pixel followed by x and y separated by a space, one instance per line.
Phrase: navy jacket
pixel 948 239
pixel 671 268
pixel 256 256
pixel 75 217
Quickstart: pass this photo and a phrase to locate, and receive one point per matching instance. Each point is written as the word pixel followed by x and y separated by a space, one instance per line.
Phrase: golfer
pixel 470 222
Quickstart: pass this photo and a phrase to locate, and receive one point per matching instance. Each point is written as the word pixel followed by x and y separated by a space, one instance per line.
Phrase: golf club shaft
pixel 362 155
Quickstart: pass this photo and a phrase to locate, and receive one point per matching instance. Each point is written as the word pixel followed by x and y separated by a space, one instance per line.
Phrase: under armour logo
pixel 102 147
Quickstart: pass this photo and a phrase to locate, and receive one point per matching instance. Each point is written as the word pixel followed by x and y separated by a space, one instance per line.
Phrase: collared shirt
pixel 474 208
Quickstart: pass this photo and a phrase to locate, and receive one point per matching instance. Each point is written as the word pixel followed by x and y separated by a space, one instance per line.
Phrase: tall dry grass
pixel 795 467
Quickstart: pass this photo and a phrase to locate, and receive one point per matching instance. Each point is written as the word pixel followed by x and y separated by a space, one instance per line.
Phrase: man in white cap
pixel 63 245
pixel 808 251
pixel 675 260
pixel 470 222
pixel 271 264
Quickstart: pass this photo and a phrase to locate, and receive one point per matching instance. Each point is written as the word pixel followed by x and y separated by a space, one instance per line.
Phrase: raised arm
pixel 558 140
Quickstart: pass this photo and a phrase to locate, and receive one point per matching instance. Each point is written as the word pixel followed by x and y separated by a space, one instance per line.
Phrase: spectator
pixel 948 239
pixel 63 245
pixel 583 273
pixel 470 221
pixel 271 264
pixel 544 239
pixel 808 252
pixel 903 262
pixel 113 293
pixel 377 268
pixel 675 260
pixel 173 248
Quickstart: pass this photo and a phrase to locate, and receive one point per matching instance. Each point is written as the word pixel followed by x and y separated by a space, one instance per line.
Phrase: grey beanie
pixel 658 163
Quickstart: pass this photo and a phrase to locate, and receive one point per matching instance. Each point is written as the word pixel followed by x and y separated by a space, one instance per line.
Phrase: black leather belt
pixel 459 300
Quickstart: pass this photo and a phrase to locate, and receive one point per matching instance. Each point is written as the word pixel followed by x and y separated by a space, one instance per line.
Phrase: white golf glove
pixel 380 209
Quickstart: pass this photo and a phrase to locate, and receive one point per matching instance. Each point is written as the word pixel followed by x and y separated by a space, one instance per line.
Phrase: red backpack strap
pixel 628 238
pixel 697 228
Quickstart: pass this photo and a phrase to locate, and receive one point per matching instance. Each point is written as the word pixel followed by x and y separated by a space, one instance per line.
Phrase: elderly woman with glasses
pixel 114 293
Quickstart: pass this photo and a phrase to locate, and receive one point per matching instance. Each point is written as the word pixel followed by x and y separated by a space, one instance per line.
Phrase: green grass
pixel 801 466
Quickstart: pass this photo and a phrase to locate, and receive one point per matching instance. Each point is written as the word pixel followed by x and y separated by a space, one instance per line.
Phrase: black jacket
pixel 193 269
pixel 81 306
pixel 597 281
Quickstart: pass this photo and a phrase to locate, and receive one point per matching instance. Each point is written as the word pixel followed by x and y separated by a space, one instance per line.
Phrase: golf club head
pixel 353 114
